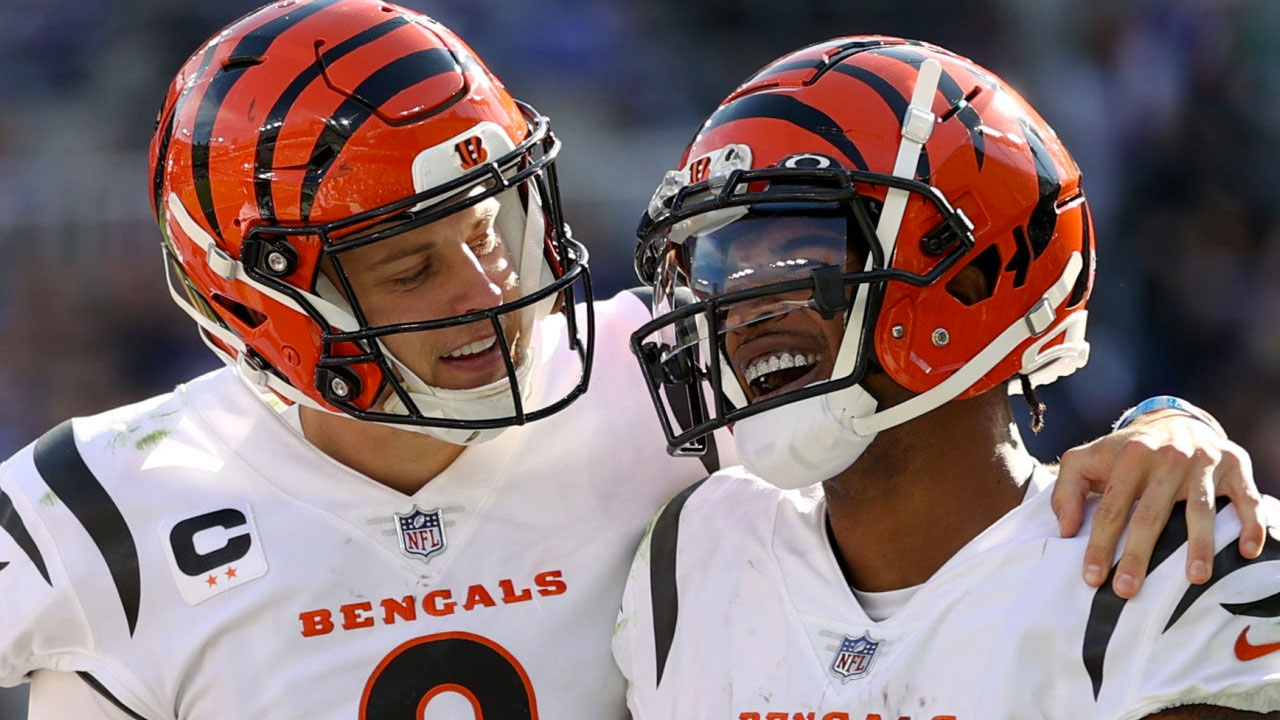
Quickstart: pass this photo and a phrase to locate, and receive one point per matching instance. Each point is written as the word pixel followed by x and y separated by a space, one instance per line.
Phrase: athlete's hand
pixel 1161 458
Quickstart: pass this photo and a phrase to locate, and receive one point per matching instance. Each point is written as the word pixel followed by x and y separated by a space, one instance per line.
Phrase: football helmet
pixel 856 180
pixel 308 130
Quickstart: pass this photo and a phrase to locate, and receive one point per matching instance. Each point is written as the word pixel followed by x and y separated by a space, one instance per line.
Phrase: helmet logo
pixel 471 152
pixel 720 163
pixel 699 169
pixel 807 161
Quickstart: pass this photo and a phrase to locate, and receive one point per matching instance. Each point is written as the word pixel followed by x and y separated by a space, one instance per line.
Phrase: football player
pixel 400 497
pixel 870 245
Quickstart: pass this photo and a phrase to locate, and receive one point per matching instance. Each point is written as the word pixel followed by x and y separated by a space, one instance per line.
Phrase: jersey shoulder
pixel 64 543
pixel 74 502
pixel 716 523
pixel 732 505
pixel 1177 643
pixel 89 513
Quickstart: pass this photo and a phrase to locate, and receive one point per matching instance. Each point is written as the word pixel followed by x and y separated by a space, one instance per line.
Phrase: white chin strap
pixel 804 442
pixel 494 400
pixel 811 440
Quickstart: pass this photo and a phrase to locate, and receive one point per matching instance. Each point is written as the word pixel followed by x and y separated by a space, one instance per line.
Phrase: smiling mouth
pixel 471 349
pixel 776 370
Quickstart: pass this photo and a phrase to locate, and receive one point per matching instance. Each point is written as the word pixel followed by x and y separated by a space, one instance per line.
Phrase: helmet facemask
pixel 740 256
pixel 309 268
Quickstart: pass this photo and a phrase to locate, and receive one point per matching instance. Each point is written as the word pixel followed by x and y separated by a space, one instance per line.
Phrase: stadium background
pixel 1171 107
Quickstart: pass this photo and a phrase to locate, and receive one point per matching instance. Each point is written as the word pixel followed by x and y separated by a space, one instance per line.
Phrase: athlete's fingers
pixel 1234 479
pixel 1128 471
pixel 1201 516
pixel 1081 470
pixel 1162 483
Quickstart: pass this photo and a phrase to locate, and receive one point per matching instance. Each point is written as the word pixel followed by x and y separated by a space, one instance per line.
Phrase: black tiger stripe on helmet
pixel 956 97
pixel 274 121
pixel 246 53
pixel 387 82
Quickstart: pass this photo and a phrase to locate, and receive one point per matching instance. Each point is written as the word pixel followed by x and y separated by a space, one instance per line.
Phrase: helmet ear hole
pixel 246 315
pixel 977 280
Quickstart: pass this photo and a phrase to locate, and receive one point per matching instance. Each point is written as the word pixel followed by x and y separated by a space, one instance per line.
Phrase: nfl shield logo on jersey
pixel 421 533
pixel 853 658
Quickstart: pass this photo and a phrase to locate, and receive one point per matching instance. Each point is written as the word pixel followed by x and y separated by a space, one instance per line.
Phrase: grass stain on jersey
pixel 150 440
pixel 49 499
pixel 146 441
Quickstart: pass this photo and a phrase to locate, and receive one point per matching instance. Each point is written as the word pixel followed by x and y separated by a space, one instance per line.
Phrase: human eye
pixel 410 279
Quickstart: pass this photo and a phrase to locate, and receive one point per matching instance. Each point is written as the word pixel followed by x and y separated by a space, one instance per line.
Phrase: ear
pixel 970 285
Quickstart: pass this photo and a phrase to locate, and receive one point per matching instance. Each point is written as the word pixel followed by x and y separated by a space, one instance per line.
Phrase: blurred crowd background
pixel 1171 108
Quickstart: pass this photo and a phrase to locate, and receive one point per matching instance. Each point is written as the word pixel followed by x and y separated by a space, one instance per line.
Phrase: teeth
pixel 475 347
pixel 776 362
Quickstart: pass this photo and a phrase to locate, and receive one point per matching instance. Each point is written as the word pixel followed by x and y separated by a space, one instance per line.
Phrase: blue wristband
pixel 1164 402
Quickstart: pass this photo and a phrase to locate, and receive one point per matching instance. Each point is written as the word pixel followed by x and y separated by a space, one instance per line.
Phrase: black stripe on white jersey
pixel 98 687
pixel 1107 606
pixel 59 462
pixel 12 523
pixel 1227 561
pixel 663 592
pixel 1267 607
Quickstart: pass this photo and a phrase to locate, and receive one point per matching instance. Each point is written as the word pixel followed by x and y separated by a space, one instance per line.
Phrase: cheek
pixel 833 330
pixel 502 273
pixel 382 308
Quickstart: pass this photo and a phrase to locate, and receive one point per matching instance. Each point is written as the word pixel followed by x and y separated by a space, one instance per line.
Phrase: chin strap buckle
pixel 221 263
pixel 918 124
pixel 1040 317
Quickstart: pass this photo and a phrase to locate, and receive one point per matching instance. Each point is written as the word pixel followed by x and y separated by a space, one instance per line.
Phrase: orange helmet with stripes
pixel 859 178
pixel 309 129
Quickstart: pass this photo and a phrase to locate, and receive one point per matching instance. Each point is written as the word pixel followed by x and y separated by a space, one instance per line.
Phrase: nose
pixel 470 285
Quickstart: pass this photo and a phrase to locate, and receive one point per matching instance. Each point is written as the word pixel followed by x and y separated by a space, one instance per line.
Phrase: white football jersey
pixel 193 557
pixel 736 609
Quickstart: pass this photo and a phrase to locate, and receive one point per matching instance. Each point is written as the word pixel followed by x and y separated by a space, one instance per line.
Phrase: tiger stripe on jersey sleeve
pixel 106 694
pixel 12 523
pixel 1227 561
pixel 1107 606
pixel 663 590
pixel 59 463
